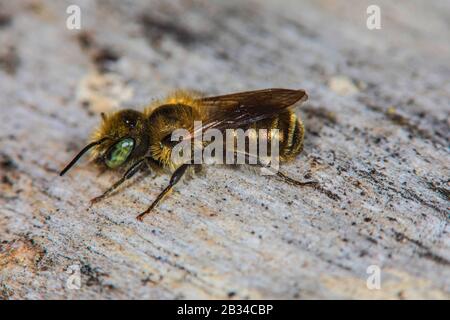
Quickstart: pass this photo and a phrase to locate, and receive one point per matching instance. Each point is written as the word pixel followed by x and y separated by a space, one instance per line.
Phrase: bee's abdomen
pixel 291 132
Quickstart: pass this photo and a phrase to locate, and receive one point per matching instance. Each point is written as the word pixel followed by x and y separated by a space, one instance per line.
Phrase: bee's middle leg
pixel 176 177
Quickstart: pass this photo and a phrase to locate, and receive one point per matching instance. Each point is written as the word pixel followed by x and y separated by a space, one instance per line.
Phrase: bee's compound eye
pixel 119 153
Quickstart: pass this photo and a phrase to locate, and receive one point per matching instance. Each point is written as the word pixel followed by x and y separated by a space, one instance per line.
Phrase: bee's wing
pixel 238 110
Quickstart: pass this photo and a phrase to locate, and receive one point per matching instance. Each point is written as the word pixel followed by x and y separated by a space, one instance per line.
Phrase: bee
pixel 129 140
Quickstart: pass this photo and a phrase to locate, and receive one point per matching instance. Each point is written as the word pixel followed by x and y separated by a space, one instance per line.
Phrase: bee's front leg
pixel 128 174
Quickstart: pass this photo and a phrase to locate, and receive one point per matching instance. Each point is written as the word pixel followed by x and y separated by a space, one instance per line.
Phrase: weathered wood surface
pixel 377 136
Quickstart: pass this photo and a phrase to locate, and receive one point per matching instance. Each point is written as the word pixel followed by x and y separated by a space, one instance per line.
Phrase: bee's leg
pixel 176 176
pixel 130 172
pixel 313 184
pixel 296 182
pixel 288 179
pixel 310 183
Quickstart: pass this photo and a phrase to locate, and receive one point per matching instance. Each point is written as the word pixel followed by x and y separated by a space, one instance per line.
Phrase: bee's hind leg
pixel 286 178
pixel 176 177
pixel 130 173
pixel 313 184
pixel 290 180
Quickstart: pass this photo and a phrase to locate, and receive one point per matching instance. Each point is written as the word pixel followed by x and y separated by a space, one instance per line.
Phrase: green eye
pixel 119 153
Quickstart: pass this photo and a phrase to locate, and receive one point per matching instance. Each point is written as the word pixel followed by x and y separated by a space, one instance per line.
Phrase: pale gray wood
pixel 377 136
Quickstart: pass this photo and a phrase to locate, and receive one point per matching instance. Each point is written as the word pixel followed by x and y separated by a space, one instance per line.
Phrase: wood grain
pixel 377 135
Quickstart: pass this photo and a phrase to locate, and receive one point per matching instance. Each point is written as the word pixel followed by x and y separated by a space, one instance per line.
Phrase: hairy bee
pixel 131 140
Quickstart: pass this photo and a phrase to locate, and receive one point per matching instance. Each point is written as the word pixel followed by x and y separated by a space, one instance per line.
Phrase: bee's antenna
pixel 80 154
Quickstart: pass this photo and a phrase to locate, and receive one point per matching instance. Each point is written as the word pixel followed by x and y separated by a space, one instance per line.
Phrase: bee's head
pixel 121 137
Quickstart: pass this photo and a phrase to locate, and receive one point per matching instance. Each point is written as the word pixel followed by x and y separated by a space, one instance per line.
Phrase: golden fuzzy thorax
pixel 178 110
pixel 183 97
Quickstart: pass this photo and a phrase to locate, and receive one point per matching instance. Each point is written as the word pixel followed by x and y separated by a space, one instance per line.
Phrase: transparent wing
pixel 238 110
